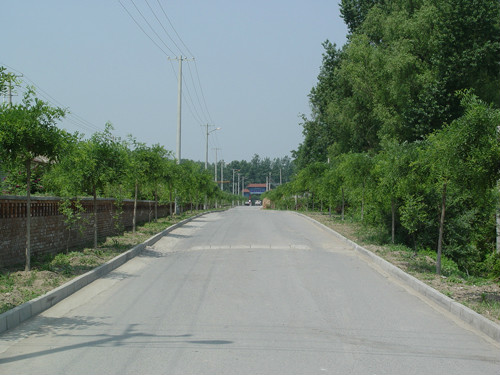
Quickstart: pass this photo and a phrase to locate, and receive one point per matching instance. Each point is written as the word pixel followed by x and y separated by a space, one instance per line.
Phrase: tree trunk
pixel 343 204
pixel 156 205
pixel 95 217
pixel 135 207
pixel 393 223
pixel 363 201
pixel 498 222
pixel 28 216
pixel 498 231
pixel 441 231
pixel 171 208
pixel 414 236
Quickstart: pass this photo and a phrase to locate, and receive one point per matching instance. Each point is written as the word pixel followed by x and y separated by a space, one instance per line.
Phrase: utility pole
pixel 221 175
pixel 179 111
pixel 238 184
pixel 179 115
pixel 206 143
pixel 179 105
pixel 215 174
pixel 234 170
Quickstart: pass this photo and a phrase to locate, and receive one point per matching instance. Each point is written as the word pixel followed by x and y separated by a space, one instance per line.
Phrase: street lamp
pixel 206 145
pixel 234 170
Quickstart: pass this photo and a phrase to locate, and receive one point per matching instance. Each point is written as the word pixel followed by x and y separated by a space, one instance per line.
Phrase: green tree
pixel 465 154
pixel 28 130
pixel 146 171
pixel 413 216
pixel 392 171
pixel 354 12
pixel 90 166
pixel 356 173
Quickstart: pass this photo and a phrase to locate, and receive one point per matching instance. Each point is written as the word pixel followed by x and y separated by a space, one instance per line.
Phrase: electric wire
pixel 173 28
pixel 203 108
pixel 161 24
pixel 202 94
pixel 140 27
pixel 151 27
pixel 71 117
pixel 196 93
pixel 195 116
pixel 193 94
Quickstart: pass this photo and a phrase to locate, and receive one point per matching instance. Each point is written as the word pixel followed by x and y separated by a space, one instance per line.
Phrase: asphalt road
pixel 246 291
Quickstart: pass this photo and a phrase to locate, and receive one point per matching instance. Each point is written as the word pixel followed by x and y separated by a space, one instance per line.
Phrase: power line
pixel 196 94
pixel 161 24
pixel 71 117
pixel 140 27
pixel 201 89
pixel 173 28
pixel 197 106
pixel 151 27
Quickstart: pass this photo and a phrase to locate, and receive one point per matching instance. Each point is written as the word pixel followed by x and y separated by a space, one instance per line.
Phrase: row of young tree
pixel 102 165
pixel 404 126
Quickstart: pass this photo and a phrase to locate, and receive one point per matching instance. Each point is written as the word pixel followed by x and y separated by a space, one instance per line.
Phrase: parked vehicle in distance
pixel 258 202
pixel 248 202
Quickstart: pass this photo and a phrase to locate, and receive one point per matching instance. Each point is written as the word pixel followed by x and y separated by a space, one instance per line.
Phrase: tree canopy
pixel 405 117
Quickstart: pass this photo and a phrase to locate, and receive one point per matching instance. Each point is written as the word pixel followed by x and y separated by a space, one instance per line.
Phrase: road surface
pixel 246 291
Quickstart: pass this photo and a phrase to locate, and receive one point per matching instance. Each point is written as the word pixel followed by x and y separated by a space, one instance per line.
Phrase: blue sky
pixel 255 63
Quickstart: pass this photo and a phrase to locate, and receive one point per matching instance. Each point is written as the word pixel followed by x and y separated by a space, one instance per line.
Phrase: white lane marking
pixel 252 246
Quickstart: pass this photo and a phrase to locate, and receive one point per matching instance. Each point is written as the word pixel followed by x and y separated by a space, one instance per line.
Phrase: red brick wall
pixel 48 232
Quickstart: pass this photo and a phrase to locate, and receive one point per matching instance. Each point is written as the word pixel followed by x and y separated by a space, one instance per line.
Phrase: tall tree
pixel 464 153
pixel 29 130
pixel 90 166
pixel 354 12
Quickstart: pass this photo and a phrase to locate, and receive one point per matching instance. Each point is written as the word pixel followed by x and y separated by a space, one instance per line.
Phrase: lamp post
pixel 238 184
pixel 206 144
pixel 234 170
pixel 221 175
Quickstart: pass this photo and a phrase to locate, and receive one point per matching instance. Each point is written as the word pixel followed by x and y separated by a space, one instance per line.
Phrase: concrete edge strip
pixel 464 313
pixel 19 314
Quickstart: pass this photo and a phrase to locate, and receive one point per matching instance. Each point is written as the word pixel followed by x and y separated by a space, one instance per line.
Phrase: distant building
pixel 256 189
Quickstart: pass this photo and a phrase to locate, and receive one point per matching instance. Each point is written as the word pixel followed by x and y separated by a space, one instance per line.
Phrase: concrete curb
pixel 462 312
pixel 19 314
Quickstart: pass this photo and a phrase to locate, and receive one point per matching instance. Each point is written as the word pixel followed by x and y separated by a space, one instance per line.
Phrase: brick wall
pixel 48 232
